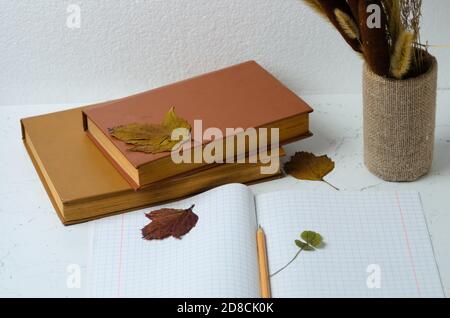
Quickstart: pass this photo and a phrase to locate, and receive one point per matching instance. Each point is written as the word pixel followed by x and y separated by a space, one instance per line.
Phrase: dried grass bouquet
pixel 392 48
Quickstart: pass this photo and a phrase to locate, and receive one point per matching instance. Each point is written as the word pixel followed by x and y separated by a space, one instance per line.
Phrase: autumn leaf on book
pixel 169 222
pixel 307 166
pixel 154 138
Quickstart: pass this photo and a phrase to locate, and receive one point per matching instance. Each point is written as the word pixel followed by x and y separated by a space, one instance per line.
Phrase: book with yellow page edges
pixel 241 96
pixel 83 185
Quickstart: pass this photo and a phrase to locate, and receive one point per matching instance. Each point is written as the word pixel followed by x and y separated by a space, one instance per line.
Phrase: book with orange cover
pixel 240 96
pixel 83 185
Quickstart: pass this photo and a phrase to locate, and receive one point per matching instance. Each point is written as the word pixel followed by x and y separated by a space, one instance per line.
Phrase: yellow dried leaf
pixel 153 138
pixel 172 121
pixel 307 166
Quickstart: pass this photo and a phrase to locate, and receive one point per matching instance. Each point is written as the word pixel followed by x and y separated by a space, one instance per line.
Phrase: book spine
pixel 119 169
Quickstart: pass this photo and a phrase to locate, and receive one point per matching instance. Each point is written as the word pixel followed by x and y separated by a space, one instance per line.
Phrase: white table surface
pixel 36 250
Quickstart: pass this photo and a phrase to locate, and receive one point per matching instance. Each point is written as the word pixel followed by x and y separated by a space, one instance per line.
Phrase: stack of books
pixel 88 173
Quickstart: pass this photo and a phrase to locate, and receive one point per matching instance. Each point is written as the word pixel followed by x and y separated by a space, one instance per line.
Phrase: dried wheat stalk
pixel 347 24
pixel 394 50
pixel 329 7
pixel 315 5
pixel 402 54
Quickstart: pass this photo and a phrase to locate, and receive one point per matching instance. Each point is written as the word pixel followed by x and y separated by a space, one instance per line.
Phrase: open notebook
pixel 385 232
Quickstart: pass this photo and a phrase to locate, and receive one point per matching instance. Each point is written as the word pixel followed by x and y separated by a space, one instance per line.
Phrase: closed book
pixel 83 185
pixel 241 96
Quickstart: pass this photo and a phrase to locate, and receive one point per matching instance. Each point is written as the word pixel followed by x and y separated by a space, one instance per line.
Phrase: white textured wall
pixel 127 46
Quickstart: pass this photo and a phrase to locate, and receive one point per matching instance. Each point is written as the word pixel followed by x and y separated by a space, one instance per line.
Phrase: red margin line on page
pixel 408 244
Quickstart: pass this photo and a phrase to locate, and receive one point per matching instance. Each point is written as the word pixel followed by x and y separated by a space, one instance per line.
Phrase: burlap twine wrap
pixel 399 124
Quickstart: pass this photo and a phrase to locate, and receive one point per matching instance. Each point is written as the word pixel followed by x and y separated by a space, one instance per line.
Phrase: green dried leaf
pixel 311 241
pixel 154 138
pixel 304 246
pixel 312 238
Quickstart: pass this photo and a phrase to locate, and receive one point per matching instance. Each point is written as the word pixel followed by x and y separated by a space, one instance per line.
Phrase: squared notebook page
pixel 370 238
pixel 217 258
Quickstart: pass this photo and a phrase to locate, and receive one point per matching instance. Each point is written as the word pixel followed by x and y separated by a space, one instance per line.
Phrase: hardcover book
pixel 83 185
pixel 241 96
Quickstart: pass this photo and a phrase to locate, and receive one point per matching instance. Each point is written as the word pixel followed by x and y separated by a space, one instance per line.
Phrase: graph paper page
pixel 218 258
pixel 376 245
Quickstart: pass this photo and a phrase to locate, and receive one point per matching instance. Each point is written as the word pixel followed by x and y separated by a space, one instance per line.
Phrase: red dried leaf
pixel 169 222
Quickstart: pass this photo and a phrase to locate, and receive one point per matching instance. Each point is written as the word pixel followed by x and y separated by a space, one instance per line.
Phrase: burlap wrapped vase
pixel 399 124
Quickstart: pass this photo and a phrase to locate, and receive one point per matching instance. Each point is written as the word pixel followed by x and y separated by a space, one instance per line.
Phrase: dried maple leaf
pixel 153 138
pixel 307 166
pixel 169 222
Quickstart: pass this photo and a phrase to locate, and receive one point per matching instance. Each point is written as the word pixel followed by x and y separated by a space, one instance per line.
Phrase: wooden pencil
pixel 263 265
